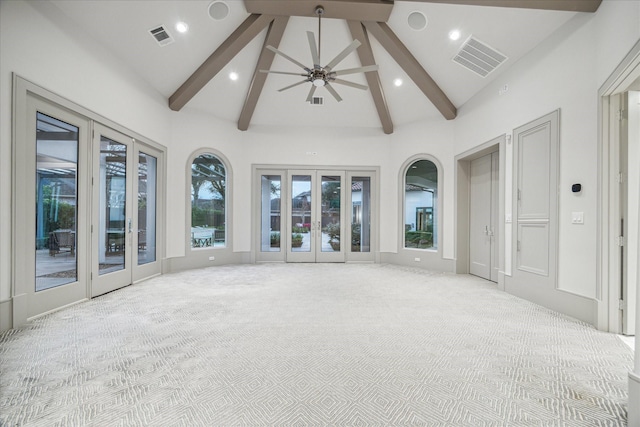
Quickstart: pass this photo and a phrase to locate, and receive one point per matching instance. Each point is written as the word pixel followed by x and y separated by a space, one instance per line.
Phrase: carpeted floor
pixel 314 344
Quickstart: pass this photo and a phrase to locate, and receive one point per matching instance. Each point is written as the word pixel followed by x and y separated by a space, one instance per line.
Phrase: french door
pixel 316 216
pixel 124 211
pixel 52 201
pixel 308 215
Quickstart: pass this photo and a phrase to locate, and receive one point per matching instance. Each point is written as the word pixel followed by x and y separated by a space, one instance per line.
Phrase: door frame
pixel 462 186
pixel 23 89
pixel 283 169
pixel 608 210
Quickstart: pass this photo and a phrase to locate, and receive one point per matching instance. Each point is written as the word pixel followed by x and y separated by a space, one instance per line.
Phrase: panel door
pixel 536 194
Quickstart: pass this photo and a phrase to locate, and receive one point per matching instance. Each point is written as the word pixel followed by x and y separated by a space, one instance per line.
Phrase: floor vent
pixel 317 100
pixel 478 57
pixel 161 35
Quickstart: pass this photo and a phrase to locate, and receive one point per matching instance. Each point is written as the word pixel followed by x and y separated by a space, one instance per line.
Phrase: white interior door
pixel 536 198
pixel 112 211
pixel 480 227
pixel 483 217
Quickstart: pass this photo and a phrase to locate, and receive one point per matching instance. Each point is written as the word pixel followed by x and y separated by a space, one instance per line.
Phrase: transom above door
pixel 313 215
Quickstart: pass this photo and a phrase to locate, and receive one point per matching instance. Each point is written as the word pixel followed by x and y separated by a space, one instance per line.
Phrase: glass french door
pixel 113 210
pixel 124 212
pixel 362 221
pixel 316 216
pixel 50 238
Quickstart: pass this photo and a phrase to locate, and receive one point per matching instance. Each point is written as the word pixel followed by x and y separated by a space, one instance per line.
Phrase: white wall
pixel 289 146
pixel 563 72
pixel 51 53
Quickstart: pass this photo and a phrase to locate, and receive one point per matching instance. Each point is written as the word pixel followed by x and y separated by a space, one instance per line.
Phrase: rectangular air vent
pixel 479 57
pixel 161 35
pixel 317 100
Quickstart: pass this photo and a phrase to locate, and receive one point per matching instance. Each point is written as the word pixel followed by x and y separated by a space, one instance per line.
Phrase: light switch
pixel 577 217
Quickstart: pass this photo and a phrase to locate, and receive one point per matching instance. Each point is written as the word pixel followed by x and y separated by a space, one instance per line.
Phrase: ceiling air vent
pixel 317 100
pixel 479 57
pixel 161 35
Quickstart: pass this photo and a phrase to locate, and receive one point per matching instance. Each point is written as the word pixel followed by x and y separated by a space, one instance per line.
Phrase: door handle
pixel 130 226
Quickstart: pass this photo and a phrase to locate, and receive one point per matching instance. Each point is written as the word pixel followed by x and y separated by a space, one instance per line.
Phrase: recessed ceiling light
pixel 233 76
pixel 454 35
pixel 397 82
pixel 182 27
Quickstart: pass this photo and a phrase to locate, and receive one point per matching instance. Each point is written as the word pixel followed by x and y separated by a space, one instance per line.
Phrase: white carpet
pixel 314 344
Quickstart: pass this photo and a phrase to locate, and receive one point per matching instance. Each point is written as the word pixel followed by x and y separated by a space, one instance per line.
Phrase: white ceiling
pixel 122 27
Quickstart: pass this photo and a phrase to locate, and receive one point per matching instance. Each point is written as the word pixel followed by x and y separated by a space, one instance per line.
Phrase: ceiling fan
pixel 318 75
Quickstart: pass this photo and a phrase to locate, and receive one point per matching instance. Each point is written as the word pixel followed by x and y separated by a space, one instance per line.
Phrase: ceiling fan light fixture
pixel 319 82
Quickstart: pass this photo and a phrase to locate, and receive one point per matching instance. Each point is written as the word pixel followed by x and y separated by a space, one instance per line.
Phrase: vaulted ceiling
pixel 193 71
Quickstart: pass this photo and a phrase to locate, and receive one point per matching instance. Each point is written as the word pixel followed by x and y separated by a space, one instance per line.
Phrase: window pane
pixel 270 213
pixel 113 196
pixel 301 213
pixel 208 194
pixel 147 179
pixel 421 194
pixel 56 202
pixel 360 214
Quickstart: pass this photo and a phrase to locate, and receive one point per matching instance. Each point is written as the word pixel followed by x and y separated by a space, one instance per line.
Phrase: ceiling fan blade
pixel 350 84
pixel 311 92
pixel 293 85
pixel 285 56
pixel 283 72
pixel 347 50
pixel 365 69
pixel 333 92
pixel 314 49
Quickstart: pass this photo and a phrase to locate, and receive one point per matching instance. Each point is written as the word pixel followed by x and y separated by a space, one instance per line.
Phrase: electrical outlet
pixel 212 258
pixel 416 259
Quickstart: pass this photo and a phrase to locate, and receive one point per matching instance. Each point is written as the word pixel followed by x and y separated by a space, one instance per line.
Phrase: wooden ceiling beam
pixel 362 10
pixel 365 53
pixel 246 32
pixel 565 5
pixel 274 36
pixel 412 67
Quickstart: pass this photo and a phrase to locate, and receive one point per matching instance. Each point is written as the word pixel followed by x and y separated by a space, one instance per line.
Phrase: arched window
pixel 421 205
pixel 208 202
